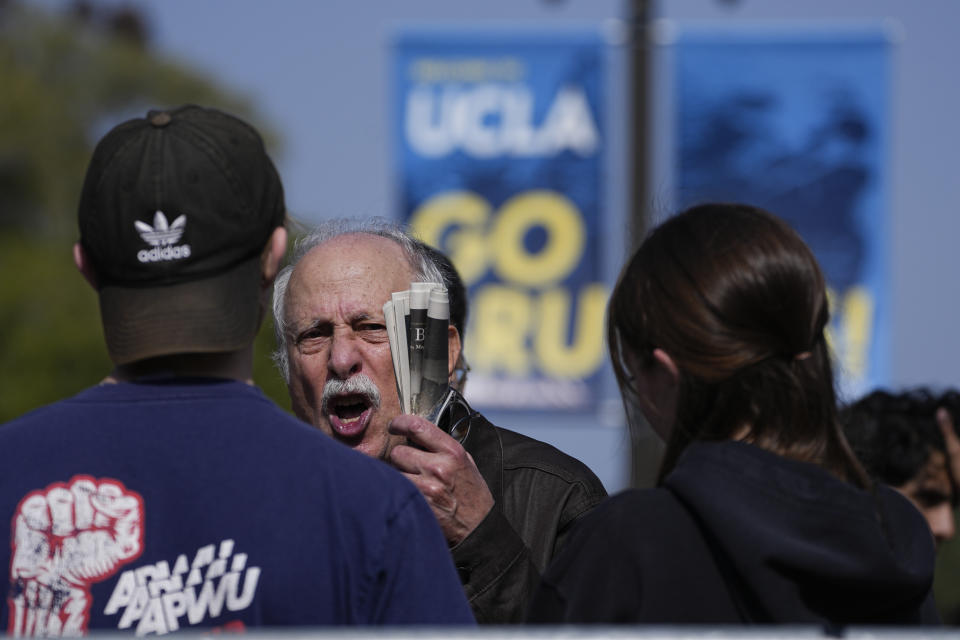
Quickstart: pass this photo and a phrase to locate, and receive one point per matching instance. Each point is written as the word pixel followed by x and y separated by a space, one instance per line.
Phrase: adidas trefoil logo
pixel 162 235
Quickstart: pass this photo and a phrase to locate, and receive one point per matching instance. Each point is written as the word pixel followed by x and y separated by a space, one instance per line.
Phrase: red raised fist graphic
pixel 65 538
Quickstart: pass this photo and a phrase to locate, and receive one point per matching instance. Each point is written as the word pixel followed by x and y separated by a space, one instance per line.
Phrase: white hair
pixel 423 267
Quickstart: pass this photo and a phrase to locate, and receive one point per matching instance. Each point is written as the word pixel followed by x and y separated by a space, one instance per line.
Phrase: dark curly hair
pixel 893 434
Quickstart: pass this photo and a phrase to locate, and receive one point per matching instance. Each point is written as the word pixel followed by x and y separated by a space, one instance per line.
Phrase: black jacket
pixel 737 534
pixel 539 492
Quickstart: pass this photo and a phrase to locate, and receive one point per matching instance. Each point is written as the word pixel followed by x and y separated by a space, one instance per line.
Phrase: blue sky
pixel 318 72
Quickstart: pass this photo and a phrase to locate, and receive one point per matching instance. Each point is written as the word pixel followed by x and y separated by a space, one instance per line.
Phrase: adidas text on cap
pixel 175 212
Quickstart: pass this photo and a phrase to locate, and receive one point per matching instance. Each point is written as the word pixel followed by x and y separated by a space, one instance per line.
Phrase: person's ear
pixel 83 265
pixel 667 367
pixel 453 349
pixel 272 255
pixel 658 387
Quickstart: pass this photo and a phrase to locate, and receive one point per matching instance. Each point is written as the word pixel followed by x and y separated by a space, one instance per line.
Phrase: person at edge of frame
pixel 900 441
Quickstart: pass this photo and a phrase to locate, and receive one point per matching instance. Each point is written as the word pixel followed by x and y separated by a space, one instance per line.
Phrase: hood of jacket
pixel 799 544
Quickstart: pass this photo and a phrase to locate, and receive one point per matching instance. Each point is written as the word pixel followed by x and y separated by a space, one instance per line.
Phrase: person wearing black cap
pixel 174 494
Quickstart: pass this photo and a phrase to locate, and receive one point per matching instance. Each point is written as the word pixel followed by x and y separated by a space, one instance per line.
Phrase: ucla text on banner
pixel 499 146
pixel 796 122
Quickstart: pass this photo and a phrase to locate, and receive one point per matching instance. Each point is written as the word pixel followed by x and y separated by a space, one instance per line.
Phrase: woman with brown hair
pixel 762 513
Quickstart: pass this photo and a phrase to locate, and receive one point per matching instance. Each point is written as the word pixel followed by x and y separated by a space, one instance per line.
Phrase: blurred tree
pixel 67 78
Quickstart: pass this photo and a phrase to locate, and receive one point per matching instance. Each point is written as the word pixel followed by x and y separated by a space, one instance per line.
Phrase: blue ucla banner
pixel 499 141
pixel 797 122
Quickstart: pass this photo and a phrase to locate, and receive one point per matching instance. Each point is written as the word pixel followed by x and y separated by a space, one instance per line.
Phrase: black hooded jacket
pixel 737 534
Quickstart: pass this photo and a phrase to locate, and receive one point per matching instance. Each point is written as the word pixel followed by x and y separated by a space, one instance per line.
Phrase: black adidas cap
pixel 175 212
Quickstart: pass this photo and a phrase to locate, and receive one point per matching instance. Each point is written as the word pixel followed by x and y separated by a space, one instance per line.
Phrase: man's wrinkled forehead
pixel 354 273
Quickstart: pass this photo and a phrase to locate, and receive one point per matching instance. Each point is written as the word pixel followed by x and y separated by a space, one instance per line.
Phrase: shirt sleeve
pixel 496 570
pixel 415 581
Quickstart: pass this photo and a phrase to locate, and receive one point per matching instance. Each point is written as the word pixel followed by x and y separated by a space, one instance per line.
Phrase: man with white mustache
pixel 503 501
pixel 358 385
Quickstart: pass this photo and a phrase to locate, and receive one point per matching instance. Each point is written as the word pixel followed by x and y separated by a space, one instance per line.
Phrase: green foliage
pixel 265 374
pixel 51 342
pixel 65 80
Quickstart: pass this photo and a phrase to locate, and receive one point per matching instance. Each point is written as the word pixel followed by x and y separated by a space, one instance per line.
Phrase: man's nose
pixel 345 355
pixel 942 523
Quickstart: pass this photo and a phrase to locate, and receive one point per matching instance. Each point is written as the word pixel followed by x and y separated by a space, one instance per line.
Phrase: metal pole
pixel 646 447
pixel 638 20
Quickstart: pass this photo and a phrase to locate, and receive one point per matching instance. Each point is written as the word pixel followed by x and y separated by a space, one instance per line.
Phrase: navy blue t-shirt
pixel 154 507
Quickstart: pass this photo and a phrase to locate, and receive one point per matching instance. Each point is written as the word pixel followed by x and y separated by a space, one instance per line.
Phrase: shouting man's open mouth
pixel 349 414
pixel 348 404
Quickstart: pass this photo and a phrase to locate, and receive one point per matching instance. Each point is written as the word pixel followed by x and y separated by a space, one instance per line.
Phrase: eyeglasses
pixel 454 415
